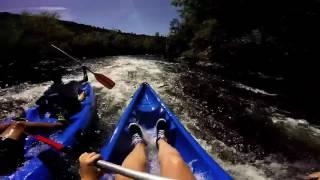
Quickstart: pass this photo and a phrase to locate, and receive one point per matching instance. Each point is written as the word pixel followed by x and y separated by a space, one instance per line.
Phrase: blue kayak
pixel 146 108
pixel 38 156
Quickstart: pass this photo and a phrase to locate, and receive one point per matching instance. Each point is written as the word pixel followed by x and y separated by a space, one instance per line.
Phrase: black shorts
pixel 11 154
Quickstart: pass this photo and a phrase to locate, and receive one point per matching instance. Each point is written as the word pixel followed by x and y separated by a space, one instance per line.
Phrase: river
pixel 214 124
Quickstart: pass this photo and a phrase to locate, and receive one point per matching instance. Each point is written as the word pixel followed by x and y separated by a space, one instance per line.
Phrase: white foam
pixel 297 129
pixel 152 154
pixel 151 72
pixel 129 72
pixel 120 71
pixel 254 90
pixel 247 172
pixel 292 125
pixel 27 94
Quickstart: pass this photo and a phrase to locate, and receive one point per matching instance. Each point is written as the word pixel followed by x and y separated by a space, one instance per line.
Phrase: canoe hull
pixel 39 156
pixel 146 108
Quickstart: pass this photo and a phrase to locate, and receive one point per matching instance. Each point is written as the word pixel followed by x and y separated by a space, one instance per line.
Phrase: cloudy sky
pixel 138 16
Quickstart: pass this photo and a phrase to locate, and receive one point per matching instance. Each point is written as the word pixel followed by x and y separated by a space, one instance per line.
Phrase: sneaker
pixel 61 118
pixel 162 127
pixel 135 133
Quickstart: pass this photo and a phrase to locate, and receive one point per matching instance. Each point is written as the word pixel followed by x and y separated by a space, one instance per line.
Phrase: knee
pixel 174 159
pixel 177 161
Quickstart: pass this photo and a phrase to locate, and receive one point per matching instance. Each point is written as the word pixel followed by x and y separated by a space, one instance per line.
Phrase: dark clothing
pixel 61 98
pixel 11 154
pixel 69 90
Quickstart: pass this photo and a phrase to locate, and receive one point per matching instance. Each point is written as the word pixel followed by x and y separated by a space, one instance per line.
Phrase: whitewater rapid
pixel 129 73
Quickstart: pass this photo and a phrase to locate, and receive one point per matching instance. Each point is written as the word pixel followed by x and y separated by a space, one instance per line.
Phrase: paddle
pixel 105 81
pixel 55 145
pixel 50 142
pixel 105 164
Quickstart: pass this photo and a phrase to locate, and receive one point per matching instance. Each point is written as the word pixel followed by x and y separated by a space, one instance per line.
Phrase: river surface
pixel 221 124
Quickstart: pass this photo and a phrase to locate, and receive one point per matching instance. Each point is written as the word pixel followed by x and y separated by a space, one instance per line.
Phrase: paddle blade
pixel 107 82
pixel 55 145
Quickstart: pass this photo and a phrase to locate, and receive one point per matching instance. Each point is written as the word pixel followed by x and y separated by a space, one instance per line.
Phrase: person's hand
pixel 87 170
pixel 313 176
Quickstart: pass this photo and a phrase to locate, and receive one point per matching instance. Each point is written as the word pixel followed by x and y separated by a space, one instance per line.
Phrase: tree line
pixel 25 43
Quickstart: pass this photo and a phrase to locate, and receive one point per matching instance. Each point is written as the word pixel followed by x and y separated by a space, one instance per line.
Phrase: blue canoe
pixel 146 108
pixel 35 167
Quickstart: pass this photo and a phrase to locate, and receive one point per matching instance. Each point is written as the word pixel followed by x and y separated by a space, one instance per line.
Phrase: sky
pixel 137 16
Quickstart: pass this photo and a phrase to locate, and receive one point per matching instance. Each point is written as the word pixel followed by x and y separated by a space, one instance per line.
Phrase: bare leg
pixel 171 163
pixel 136 160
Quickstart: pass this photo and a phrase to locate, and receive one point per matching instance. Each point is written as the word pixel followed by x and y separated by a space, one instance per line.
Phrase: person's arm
pixel 313 176
pixel 85 76
pixel 4 126
pixel 87 170
pixel 41 125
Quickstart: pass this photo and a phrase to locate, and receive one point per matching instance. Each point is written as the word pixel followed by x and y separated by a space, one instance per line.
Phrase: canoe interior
pixel 146 108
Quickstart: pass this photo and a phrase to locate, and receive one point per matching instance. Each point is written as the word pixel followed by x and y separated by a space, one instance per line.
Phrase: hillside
pixel 25 44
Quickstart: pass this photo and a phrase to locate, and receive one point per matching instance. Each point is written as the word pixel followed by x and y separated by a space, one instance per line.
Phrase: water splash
pixel 128 73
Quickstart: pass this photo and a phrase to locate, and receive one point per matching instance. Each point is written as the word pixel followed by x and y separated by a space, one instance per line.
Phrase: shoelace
pixel 136 138
pixel 161 134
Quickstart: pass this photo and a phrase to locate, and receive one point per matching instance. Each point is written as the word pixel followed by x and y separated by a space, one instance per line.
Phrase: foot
pixel 60 117
pixel 135 133
pixel 162 127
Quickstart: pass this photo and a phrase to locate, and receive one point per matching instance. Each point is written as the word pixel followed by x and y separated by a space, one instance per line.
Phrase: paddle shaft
pixel 107 82
pixel 74 59
pixel 128 172
pixel 103 164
